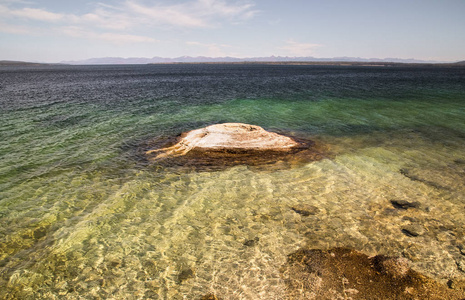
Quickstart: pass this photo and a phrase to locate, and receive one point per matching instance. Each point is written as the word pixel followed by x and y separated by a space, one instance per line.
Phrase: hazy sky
pixel 56 30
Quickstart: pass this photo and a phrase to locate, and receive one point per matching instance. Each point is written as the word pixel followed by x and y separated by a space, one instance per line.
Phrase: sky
pixel 59 30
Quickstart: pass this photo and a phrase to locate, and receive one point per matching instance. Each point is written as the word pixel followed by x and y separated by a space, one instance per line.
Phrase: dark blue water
pixel 83 215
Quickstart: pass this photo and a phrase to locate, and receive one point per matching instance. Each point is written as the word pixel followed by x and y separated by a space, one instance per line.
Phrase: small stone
pixel 185 275
pixel 404 204
pixel 305 210
pixel 412 252
pixel 40 233
pixel 250 243
pixel 456 284
pixel 413 230
pixel 461 265
pixel 460 161
pixel 410 219
pixel 113 263
pixel 391 212
pixel 210 297
pixel 461 249
pixel 446 227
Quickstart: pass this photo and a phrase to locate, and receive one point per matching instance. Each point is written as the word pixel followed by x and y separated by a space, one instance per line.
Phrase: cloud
pixel 171 15
pixel 113 20
pixel 115 38
pixel 221 8
pixel 37 14
pixel 199 13
pixel 131 13
pixel 294 48
pixel 30 13
pixel 212 49
pixel 125 38
pixel 119 23
pixel 13 29
pixel 17 2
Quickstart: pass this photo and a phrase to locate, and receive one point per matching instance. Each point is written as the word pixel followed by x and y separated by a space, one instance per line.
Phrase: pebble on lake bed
pixel 252 242
pixel 210 297
pixel 305 210
pixel 404 204
pixel 186 274
pixel 461 249
pixel 456 284
pixel 413 230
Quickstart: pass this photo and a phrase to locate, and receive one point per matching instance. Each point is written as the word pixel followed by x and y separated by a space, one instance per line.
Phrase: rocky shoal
pixel 234 143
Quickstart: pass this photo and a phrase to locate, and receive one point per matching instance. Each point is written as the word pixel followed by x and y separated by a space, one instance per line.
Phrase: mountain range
pixel 204 59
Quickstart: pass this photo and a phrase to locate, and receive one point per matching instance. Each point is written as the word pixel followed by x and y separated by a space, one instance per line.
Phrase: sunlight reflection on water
pixel 83 216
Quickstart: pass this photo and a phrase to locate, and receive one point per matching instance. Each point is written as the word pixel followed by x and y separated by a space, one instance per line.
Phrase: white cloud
pixel 37 14
pixel 13 29
pixel 212 49
pixel 115 38
pixel 199 13
pixel 17 2
pixel 125 38
pixel 30 13
pixel 102 18
pixel 171 15
pixel 119 23
pixel 293 48
pixel 221 8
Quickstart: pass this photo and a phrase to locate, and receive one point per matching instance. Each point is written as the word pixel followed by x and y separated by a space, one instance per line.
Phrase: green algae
pixel 82 215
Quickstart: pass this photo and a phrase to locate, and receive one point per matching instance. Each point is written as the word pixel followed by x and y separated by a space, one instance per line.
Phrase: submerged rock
pixel 456 284
pixel 409 174
pixel 228 138
pixel 460 161
pixel 404 204
pixel 210 297
pixel 461 249
pixel 413 230
pixel 186 274
pixel 305 210
pixel 233 143
pixel 252 242
pixel 347 274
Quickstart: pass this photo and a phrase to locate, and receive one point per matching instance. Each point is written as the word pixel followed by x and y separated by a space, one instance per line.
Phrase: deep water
pixel 83 215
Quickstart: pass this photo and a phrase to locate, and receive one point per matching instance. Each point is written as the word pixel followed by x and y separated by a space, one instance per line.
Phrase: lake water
pixel 84 216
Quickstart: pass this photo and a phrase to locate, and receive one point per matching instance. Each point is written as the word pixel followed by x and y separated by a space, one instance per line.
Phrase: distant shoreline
pixel 5 63
pixel 11 63
pixel 320 63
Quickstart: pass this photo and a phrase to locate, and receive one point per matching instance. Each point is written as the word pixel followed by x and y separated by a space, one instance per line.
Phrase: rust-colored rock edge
pixel 347 274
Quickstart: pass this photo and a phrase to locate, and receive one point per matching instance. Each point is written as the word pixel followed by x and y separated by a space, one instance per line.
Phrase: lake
pixel 84 215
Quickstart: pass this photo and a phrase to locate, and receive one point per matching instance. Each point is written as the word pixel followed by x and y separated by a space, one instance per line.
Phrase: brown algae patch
pixel 347 274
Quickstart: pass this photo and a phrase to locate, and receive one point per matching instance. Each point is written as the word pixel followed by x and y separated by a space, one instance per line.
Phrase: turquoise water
pixel 83 215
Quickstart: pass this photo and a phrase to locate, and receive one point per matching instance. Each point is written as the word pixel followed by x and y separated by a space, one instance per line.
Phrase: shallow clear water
pixel 83 215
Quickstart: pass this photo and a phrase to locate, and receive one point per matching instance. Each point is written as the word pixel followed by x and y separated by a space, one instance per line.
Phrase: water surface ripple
pixel 83 216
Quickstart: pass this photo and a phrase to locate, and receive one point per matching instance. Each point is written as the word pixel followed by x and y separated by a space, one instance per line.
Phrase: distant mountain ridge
pixel 204 59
